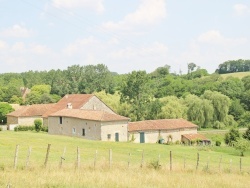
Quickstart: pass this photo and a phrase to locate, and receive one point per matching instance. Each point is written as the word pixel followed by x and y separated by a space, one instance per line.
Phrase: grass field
pixel 208 173
pixel 237 74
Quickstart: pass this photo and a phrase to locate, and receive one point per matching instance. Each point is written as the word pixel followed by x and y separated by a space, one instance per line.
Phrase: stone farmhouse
pixel 151 131
pixel 86 116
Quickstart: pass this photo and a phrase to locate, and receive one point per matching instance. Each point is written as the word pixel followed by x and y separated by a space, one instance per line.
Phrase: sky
pixel 124 35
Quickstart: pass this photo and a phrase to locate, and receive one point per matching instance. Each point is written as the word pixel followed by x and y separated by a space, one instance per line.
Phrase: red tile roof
pixel 76 100
pixel 161 124
pixel 89 115
pixel 194 137
pixel 31 110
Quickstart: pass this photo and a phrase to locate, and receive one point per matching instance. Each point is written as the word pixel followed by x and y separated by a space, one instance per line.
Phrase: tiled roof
pixel 194 137
pixel 31 110
pixel 161 124
pixel 95 115
pixel 76 100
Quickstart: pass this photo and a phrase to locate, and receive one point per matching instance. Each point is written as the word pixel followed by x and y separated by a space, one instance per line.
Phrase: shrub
pixel 177 142
pixel 44 129
pixel 24 128
pixel 38 125
pixel 155 164
pixel 1 128
pixel 218 143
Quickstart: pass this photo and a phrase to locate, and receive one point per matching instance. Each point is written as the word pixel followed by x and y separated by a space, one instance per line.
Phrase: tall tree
pixel 136 92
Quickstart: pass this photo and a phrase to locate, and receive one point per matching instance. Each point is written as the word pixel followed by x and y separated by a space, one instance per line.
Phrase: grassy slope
pixel 237 74
pixel 119 175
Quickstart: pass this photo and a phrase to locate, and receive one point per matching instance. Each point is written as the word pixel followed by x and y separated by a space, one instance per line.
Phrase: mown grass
pixel 208 173
pixel 239 75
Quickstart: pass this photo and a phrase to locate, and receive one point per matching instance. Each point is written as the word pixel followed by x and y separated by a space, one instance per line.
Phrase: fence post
pixel 28 157
pixel 16 156
pixel 220 163
pixel 77 157
pixel 198 158
pixel 62 157
pixel 95 158
pixel 110 158
pixel 208 159
pixel 240 164
pixel 47 155
pixel 142 158
pixel 184 162
pixel 129 156
pixel 170 160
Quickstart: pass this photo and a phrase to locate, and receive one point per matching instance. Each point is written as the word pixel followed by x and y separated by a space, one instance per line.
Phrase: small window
pixel 73 130
pixel 60 120
pixel 83 132
pixel 109 136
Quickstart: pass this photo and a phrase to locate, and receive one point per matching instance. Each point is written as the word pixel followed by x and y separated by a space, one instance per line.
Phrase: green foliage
pixel 24 128
pixel 220 104
pixel 246 135
pixel 5 108
pixel 218 143
pixel 236 109
pixel 136 92
pixel 245 119
pixel 41 89
pixel 38 124
pixel 232 136
pixel 242 145
pixel 234 66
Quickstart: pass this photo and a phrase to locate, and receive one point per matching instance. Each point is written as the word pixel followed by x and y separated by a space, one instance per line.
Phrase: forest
pixel 208 100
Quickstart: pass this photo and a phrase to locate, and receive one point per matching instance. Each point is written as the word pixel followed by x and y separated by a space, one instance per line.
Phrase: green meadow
pixel 126 168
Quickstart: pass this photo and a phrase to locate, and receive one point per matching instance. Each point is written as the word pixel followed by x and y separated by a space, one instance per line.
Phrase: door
pixel 142 137
pixel 117 137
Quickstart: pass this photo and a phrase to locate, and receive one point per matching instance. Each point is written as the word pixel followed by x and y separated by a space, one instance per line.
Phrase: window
pixel 60 120
pixel 109 136
pixel 83 132
pixel 73 130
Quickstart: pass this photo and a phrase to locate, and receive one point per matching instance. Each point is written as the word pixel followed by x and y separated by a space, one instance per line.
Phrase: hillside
pixel 118 174
pixel 236 75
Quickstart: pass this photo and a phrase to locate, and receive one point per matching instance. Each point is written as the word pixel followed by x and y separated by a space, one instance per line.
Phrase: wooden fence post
pixel 129 156
pixel 230 166
pixel 142 158
pixel 184 162
pixel 47 155
pixel 110 158
pixel 62 157
pixel 240 164
pixel 198 159
pixel 220 163
pixel 208 159
pixel 28 157
pixel 95 158
pixel 16 156
pixel 170 160
pixel 77 157
pixel 158 162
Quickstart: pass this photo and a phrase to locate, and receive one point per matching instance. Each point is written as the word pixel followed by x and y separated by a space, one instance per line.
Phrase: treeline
pixel 234 66
pixel 207 100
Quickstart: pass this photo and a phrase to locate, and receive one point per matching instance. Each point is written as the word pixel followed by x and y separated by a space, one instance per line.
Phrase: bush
pixel 44 129
pixel 177 142
pixel 218 143
pixel 38 125
pixel 1 128
pixel 24 128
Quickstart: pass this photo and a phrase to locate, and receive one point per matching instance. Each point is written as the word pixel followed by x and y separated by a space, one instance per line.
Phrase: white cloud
pixel 18 31
pixel 215 37
pixel 149 12
pixel 96 5
pixel 3 45
pixel 241 9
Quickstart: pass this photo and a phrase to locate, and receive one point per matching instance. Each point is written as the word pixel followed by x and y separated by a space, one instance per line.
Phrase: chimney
pixel 69 106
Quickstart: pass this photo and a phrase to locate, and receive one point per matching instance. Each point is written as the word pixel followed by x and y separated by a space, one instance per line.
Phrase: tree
pixel 5 108
pixel 232 136
pixel 220 104
pixel 246 134
pixel 191 67
pixel 236 109
pixel 136 92
pixel 242 145
pixel 38 124
pixel 154 109
pixel 200 111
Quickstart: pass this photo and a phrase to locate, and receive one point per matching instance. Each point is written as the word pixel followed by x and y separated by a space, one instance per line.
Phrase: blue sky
pixel 124 35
